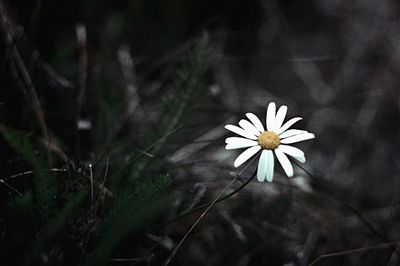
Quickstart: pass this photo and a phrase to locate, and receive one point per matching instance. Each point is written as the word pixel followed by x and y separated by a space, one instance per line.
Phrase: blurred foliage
pixel 160 79
pixel 66 214
pixel 44 183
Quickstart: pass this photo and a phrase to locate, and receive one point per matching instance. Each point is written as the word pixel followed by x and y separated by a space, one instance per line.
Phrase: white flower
pixel 274 139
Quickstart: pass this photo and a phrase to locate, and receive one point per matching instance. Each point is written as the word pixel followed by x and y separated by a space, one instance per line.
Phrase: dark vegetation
pixel 112 116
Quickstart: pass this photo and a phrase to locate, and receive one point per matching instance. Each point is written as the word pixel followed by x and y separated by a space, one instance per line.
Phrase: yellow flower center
pixel 269 140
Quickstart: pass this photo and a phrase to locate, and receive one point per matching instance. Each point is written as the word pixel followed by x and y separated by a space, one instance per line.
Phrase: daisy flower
pixel 272 140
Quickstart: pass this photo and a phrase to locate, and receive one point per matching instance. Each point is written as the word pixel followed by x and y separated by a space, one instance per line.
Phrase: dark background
pixel 334 63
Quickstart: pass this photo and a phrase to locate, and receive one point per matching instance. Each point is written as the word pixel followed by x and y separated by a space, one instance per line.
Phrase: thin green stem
pixel 174 251
pixel 208 206
pixel 198 208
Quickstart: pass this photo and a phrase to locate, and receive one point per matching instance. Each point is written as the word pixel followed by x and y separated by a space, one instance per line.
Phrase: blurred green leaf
pixel 135 211
pixel 54 227
pixel 44 182
pixel 22 224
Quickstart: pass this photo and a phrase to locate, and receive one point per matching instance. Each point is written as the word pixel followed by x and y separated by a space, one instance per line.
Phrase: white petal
pixel 236 139
pixel 240 131
pixel 301 159
pixel 256 122
pixel 262 166
pixel 297 138
pixel 286 165
pixel 292 151
pixel 270 119
pixel 288 124
pixel 291 132
pixel 249 127
pixel 238 143
pixel 244 156
pixel 280 117
pixel 270 166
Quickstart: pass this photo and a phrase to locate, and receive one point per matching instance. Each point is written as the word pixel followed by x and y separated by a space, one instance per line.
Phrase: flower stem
pixel 218 198
pixel 208 206
pixel 198 208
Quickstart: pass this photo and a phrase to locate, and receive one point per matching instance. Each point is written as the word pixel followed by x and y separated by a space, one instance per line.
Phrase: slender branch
pixel 352 251
pixel 174 251
pixel 83 65
pixel 10 187
pixel 106 172
pixel 101 187
pixel 19 70
pixel 208 206
pixel 134 260
pixel 29 87
pixel 160 140
pixel 198 208
pixel 31 172
pixel 82 78
pixel 91 183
